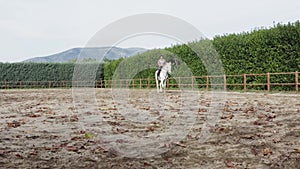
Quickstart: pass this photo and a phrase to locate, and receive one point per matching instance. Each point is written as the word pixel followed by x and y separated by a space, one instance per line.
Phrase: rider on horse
pixel 161 62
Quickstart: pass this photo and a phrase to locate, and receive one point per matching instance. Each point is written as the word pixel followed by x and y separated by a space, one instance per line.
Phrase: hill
pixel 88 53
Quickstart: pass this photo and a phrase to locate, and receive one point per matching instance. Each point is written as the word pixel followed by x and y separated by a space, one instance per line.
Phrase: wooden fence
pixel 224 82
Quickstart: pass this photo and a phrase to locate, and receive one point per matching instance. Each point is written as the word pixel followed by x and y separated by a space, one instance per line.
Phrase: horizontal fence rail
pixel 243 82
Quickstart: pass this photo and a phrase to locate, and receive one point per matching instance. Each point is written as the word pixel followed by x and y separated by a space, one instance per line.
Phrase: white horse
pixel 163 76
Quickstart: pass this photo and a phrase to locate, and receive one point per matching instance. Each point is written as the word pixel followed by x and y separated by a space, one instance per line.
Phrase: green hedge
pixel 276 49
pixel 266 50
pixel 14 72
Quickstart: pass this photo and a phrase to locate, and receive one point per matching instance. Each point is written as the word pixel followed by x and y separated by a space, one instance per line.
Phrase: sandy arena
pixel 140 129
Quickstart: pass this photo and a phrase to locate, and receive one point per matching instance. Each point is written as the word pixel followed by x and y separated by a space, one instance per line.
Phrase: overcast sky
pixel 31 28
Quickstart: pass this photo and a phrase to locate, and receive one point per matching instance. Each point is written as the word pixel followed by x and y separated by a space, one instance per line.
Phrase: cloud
pixel 49 25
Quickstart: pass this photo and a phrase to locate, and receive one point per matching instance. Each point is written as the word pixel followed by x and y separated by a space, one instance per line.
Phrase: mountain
pixel 93 53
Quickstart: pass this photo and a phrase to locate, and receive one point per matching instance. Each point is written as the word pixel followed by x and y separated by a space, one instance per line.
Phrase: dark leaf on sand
pixel 14 124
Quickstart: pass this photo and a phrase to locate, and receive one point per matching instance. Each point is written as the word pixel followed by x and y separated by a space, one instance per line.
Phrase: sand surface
pixel 57 128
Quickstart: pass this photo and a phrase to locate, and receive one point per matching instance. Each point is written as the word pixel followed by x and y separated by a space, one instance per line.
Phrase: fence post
pixel 132 83
pixel 269 86
pixel 148 82
pixel 225 87
pixel 20 85
pixel 245 83
pixel 207 79
pixel 192 82
pixel 296 81
pixel 140 83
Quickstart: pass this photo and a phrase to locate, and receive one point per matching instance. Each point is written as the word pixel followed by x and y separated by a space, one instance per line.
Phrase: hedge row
pixel 42 71
pixel 275 49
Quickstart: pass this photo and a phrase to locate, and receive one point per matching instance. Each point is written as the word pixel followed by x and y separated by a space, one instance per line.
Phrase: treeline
pixel 276 49
pixel 24 71
pixel 266 50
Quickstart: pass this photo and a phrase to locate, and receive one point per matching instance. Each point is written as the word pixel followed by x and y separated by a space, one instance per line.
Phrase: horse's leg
pixel 156 82
pixel 164 84
pixel 161 84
